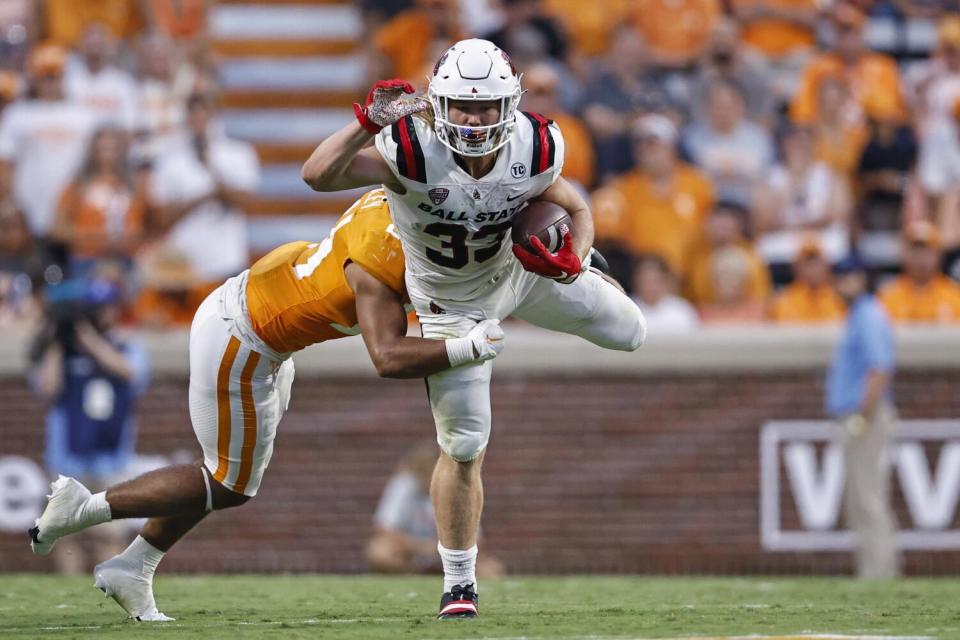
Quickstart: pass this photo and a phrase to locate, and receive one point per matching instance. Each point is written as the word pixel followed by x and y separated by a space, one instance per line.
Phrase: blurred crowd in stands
pixel 111 152
pixel 732 150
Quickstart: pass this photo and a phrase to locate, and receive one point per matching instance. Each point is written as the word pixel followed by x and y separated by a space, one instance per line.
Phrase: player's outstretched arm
pixel 341 162
pixel 383 324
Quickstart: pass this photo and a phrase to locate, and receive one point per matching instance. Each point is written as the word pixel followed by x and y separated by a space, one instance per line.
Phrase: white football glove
pixel 483 342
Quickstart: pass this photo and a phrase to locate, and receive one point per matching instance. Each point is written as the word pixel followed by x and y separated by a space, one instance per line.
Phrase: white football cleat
pixel 122 581
pixel 63 514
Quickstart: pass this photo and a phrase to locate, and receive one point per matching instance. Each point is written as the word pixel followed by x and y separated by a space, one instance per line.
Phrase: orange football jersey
pixel 298 295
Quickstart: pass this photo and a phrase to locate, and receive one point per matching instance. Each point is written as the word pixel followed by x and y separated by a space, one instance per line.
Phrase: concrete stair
pixel 291 70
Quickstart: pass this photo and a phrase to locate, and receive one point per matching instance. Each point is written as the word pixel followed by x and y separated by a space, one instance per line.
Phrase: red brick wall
pixel 653 473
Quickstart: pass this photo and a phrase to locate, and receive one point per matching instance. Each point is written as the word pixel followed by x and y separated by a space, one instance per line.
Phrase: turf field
pixel 549 608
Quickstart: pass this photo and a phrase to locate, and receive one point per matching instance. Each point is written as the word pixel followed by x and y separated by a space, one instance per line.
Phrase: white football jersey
pixel 454 228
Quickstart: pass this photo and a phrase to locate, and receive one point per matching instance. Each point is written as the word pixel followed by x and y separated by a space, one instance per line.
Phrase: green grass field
pixel 254 606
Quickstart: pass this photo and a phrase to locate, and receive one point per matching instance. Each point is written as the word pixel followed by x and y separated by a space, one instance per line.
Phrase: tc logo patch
pixel 438 195
pixel 518 170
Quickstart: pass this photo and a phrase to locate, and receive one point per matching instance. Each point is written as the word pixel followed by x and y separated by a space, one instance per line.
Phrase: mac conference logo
pixel 802 477
pixel 438 195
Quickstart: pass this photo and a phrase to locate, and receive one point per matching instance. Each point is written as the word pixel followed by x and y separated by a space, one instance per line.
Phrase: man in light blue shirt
pixel 858 396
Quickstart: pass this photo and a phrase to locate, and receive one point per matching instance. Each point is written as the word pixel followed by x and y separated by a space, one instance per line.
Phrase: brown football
pixel 545 220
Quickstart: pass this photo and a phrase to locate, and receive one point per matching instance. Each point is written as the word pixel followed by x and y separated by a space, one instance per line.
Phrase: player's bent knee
pixel 224 498
pixel 630 331
pixel 640 331
pixel 463 446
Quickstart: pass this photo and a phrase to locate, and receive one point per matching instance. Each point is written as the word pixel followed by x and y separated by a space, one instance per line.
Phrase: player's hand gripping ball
pixel 386 104
pixel 543 243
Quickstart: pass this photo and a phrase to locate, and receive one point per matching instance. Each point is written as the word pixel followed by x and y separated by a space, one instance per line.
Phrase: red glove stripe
pixel 364 120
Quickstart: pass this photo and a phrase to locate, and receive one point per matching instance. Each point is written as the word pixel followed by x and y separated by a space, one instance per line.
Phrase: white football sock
pixel 459 567
pixel 96 510
pixel 143 555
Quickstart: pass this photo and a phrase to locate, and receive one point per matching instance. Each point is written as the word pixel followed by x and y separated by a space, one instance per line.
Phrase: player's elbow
pixel 389 370
pixel 317 176
pixel 389 366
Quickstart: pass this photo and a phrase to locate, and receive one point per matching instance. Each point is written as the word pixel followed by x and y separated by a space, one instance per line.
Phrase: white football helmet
pixel 474 70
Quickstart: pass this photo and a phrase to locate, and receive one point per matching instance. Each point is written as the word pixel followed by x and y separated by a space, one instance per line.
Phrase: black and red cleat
pixel 461 602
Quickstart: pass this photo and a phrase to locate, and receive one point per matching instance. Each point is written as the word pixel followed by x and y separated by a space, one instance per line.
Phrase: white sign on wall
pixel 810 455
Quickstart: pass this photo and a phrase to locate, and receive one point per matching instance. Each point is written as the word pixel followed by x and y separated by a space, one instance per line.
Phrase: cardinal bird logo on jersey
pixel 438 195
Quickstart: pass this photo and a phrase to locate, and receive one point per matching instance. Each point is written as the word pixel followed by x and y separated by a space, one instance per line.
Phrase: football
pixel 545 220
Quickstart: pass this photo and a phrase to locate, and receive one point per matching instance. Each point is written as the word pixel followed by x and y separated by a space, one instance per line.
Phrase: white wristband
pixel 460 351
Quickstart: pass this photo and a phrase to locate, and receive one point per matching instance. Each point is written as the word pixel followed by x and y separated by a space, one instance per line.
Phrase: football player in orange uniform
pixel 240 376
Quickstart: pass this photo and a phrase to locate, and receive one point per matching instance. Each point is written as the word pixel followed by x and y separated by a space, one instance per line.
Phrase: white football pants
pixel 237 397
pixel 590 307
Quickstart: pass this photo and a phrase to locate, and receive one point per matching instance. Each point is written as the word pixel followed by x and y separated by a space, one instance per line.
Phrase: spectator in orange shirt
pixel 101 213
pixel 869 75
pixel 178 19
pixel 676 30
pixel 727 227
pixel 839 131
pixel 778 28
pixel 730 279
pixel 784 33
pixel 810 298
pixel 540 95
pixel 408 41
pixel 660 206
pixel 590 24
pixel 922 294
pixel 66 20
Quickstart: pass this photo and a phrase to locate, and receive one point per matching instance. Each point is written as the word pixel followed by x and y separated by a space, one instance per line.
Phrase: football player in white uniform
pixel 457 167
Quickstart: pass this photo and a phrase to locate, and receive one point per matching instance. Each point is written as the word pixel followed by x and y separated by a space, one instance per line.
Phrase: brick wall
pixel 638 473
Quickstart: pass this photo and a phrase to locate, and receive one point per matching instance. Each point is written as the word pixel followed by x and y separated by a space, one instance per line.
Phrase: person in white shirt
pixel 404 538
pixel 93 80
pixel 201 188
pixel 43 140
pixel 731 149
pixel 801 196
pixel 653 286
pixel 164 86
